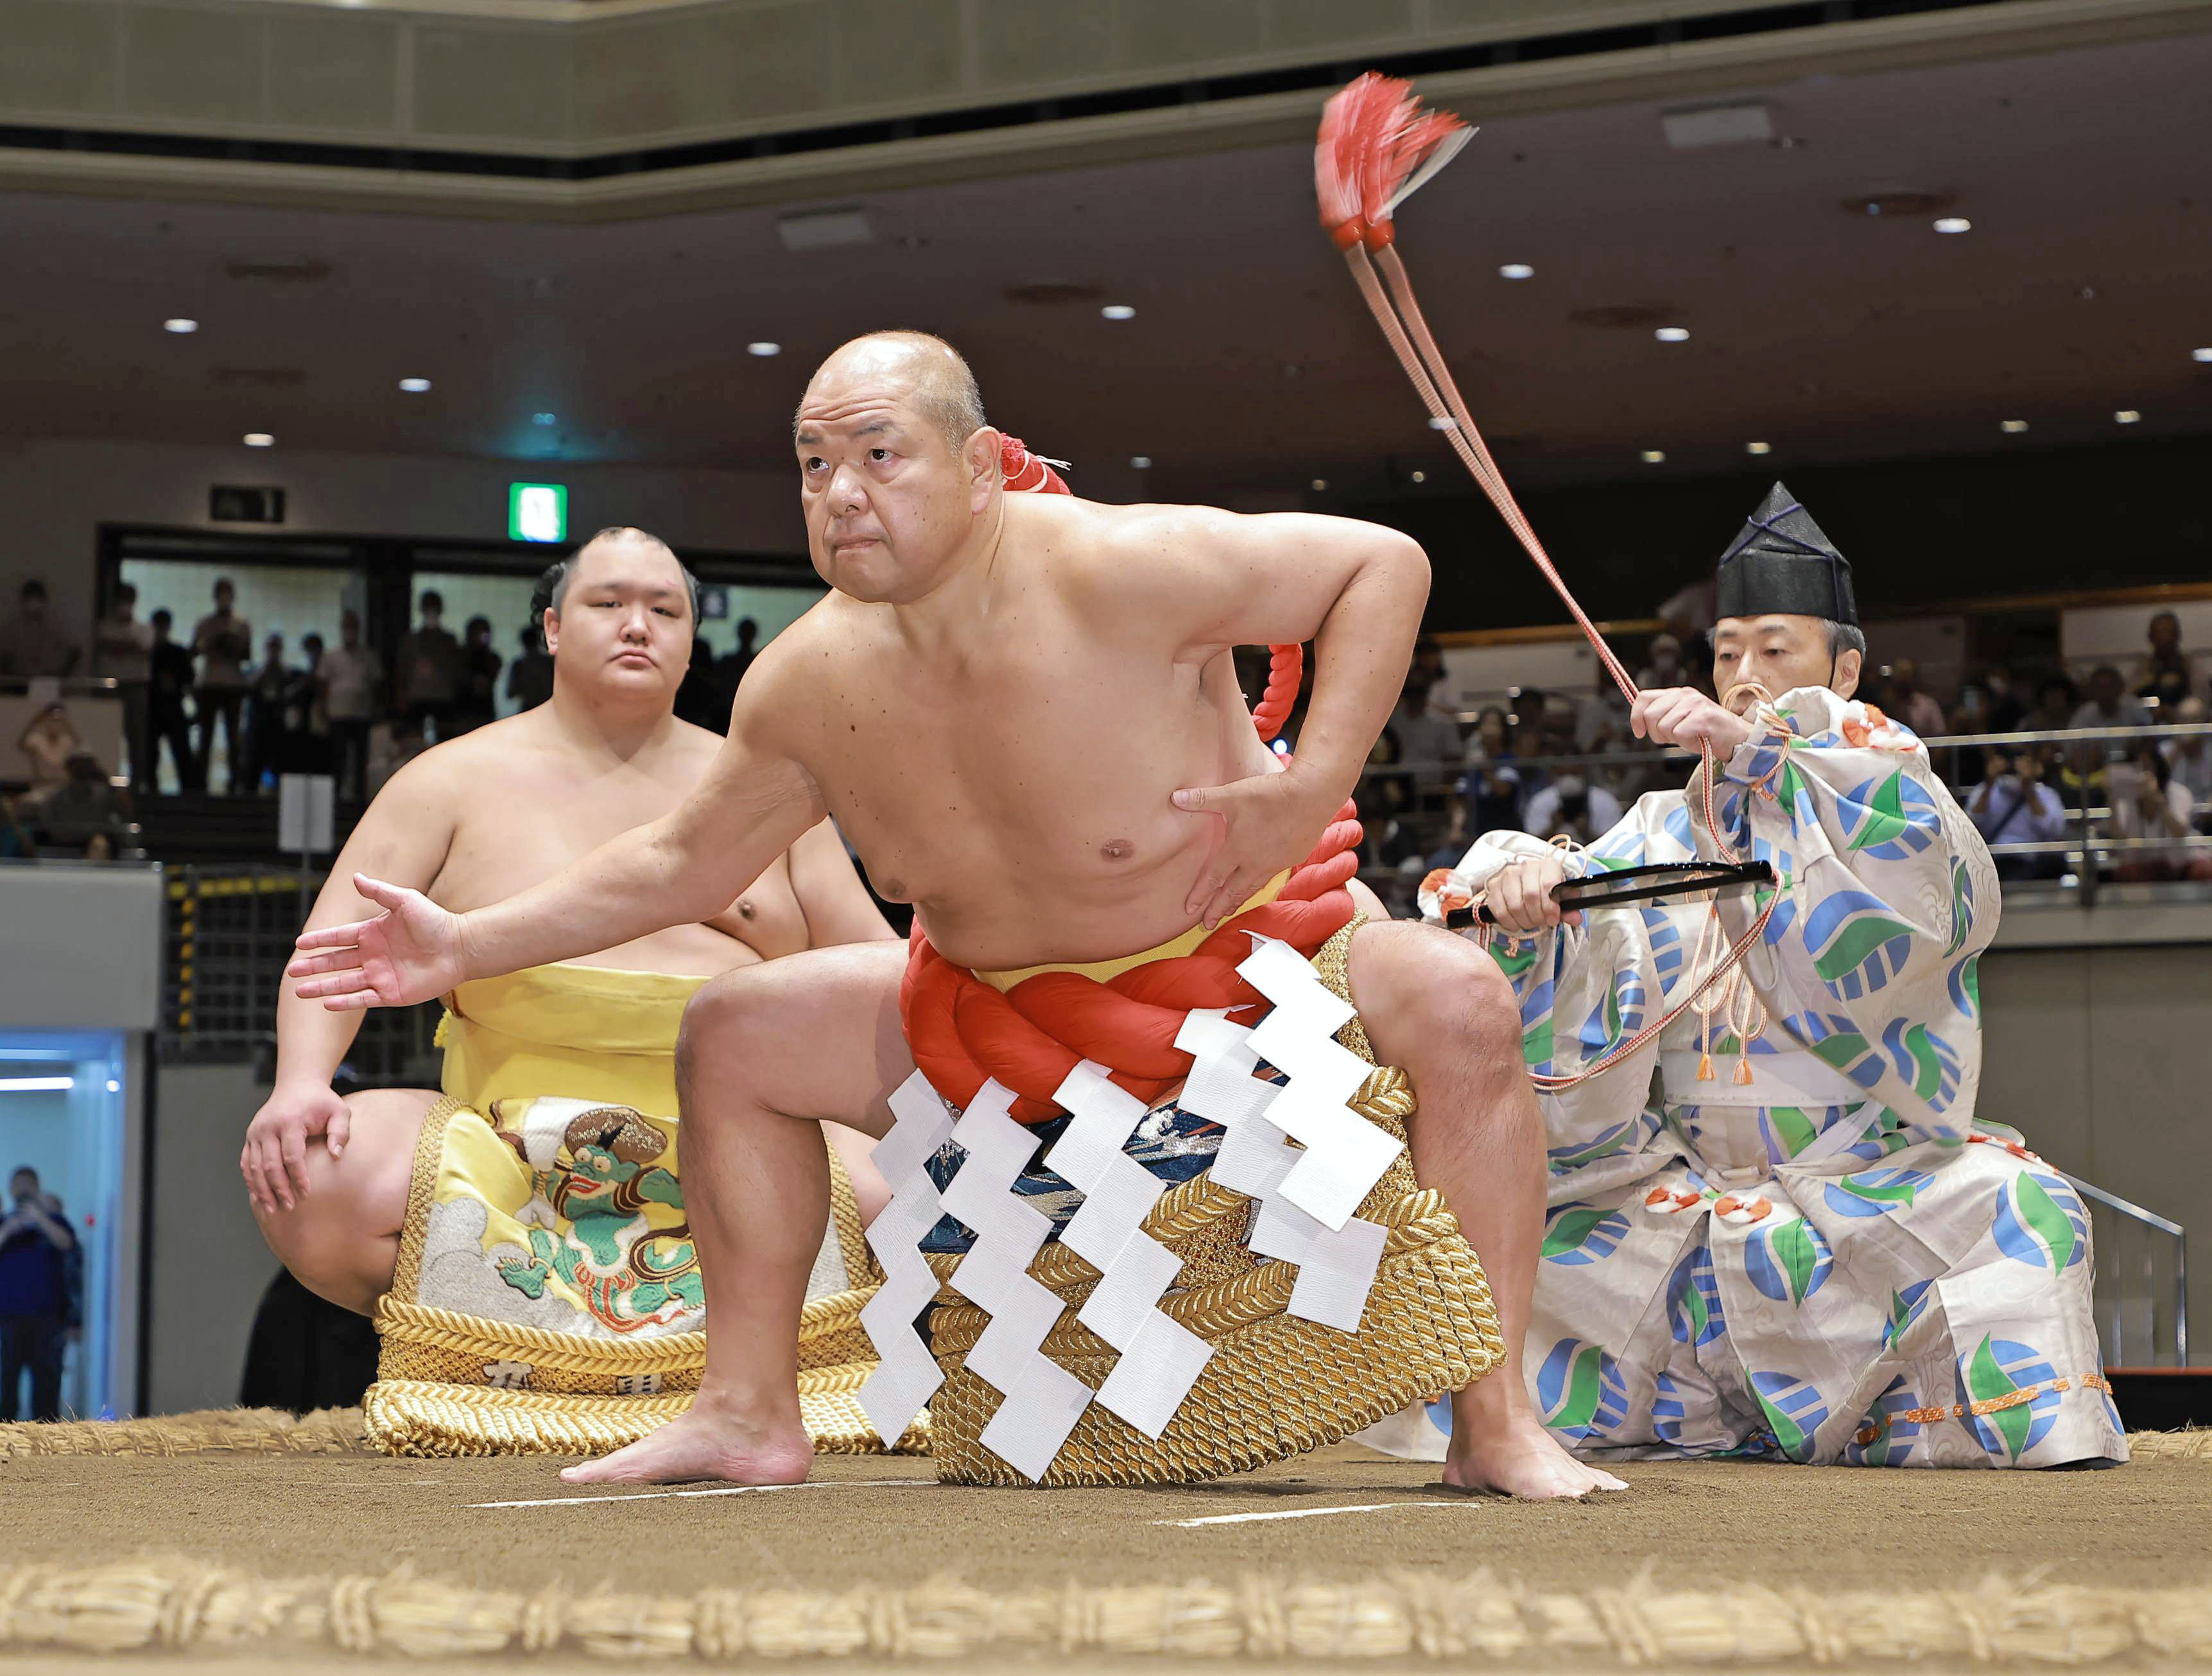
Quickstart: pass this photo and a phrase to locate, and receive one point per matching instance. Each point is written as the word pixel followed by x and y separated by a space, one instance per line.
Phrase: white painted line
pixel 716 1489
pixel 1296 1513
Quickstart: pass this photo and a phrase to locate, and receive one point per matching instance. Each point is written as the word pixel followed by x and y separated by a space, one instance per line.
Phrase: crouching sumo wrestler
pixel 523 1241
pixel 1169 1201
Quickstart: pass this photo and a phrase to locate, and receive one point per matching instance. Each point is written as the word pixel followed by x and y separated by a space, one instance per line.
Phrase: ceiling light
pixel 36 1084
pixel 2127 415
pixel 824 229
pixel 180 325
pixel 2013 427
pixel 1118 311
pixel 1759 447
pixel 2204 354
pixel 1716 124
pixel 1140 462
pixel 764 348
pixel 1953 224
pixel 1652 456
pixel 1319 484
pixel 259 440
pixel 1420 477
pixel 545 418
pixel 415 387
pixel 1672 334
pixel 1516 271
pixel 1444 422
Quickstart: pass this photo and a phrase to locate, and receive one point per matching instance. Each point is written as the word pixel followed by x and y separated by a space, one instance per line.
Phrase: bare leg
pixel 768 1054
pixel 1438 1006
pixel 342 1240
pixel 870 1191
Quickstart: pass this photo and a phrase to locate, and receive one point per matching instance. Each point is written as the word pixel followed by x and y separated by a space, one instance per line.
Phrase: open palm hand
pixel 409 952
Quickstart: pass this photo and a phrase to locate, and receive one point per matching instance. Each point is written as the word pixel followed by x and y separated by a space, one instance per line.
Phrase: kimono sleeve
pixel 1887 898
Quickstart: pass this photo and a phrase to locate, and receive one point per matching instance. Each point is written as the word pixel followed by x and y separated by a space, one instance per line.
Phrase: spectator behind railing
pixel 47 742
pixel 268 729
pixel 1427 739
pixel 529 676
pixel 2148 802
pixel 1490 790
pixel 306 729
pixel 2056 699
pixel 1909 703
pixel 475 700
pixel 31 643
pixel 346 680
pixel 123 651
pixel 1665 668
pixel 2016 804
pixel 1572 807
pixel 222 640
pixel 16 843
pixel 169 684
pixel 2168 673
pixel 2190 757
pixel 2109 705
pixel 427 673
pixel 84 807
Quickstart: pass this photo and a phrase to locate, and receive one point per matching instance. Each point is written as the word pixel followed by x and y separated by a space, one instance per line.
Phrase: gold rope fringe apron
pixel 547 1297
pixel 1276 1385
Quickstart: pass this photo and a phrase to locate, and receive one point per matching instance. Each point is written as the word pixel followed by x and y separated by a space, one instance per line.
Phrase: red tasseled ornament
pixel 1026 473
pixel 1377 148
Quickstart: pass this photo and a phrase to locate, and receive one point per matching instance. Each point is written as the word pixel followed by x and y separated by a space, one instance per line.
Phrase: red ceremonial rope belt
pixel 964 1032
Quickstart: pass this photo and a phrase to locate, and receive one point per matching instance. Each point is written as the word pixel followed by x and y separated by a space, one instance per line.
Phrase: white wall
pixel 2119 634
pixel 57 494
pixel 80 946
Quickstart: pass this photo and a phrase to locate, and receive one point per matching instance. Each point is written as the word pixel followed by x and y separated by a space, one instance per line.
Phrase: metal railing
pixel 1426 794
pixel 2141 1288
pixel 228 934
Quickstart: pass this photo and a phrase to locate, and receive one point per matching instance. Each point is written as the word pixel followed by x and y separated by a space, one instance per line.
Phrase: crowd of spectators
pixel 1562 763
pixel 204 708
pixel 1545 762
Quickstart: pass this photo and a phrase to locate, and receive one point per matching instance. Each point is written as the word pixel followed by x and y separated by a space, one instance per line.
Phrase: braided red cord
pixel 962 1031
pixel 1285 667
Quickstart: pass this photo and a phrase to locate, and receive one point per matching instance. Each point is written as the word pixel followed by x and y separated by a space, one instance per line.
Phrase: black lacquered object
pixel 1649 883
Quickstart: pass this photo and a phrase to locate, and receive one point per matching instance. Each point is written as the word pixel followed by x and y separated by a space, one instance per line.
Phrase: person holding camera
pixel 42 1297
pixel 2016 804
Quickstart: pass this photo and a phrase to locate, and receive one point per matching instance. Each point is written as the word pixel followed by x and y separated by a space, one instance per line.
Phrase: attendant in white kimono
pixel 1777 1228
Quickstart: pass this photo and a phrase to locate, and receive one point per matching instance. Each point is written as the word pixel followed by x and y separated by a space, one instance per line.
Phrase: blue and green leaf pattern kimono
pixel 1833 1262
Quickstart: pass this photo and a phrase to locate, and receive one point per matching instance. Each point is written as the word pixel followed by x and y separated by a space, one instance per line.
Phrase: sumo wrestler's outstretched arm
pixel 1215 579
pixel 752 804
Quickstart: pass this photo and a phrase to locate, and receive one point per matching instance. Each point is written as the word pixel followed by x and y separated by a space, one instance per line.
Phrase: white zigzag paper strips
pixel 1160 1359
pixel 907 1376
pixel 1306 1194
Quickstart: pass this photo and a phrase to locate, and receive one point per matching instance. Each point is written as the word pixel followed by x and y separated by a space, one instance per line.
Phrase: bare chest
pixel 1042 771
pixel 521 828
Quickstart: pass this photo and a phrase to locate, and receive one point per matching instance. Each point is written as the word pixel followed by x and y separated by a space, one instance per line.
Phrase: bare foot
pixel 1518 1457
pixel 706 1443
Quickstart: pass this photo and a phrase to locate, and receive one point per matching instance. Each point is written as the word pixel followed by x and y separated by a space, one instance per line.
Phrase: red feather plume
pixel 1376 147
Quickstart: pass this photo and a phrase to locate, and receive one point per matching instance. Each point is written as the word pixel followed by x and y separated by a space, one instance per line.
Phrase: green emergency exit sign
pixel 538 512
